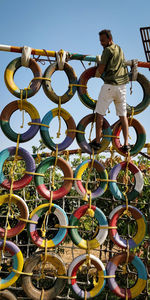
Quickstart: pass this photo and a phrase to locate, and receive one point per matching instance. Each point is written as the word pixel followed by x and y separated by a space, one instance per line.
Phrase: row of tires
pixel 68 177
pixel 74 84
pixel 101 230
pixel 109 133
pixel 59 271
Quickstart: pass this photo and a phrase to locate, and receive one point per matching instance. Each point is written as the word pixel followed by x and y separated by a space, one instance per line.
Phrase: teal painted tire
pixel 145 84
pixel 10 71
pixel 39 180
pixel 101 234
pixel 70 135
pixel 47 87
pixel 138 186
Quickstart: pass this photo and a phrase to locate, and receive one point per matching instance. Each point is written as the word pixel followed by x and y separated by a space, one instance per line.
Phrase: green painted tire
pixel 140 142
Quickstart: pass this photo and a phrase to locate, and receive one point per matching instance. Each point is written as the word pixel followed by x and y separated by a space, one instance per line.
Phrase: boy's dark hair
pixel 106 32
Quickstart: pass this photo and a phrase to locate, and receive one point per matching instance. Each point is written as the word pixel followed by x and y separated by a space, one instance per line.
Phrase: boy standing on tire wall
pixel 115 75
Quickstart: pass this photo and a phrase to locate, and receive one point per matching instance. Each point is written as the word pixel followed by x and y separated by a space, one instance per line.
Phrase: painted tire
pixel 62 219
pixel 138 177
pixel 101 234
pixel 24 214
pixel 140 284
pixel 39 180
pixel 145 84
pixel 47 87
pixel 5 121
pixel 59 284
pixel 140 142
pixel 82 91
pixel 4 295
pixel 17 264
pixel 98 286
pixel 10 71
pixel 83 144
pixel 141 227
pixel 70 125
pixel 29 163
pixel 102 174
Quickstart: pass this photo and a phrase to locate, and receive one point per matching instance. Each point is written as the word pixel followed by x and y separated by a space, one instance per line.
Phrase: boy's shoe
pixel 95 145
pixel 126 148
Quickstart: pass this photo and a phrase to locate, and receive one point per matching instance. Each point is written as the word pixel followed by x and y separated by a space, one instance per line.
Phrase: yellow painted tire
pixel 59 283
pixel 140 283
pixel 10 71
pixel 17 264
pixel 47 87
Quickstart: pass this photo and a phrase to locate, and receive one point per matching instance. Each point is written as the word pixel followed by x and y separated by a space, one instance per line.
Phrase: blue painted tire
pixel 62 219
pixel 140 283
pixel 17 264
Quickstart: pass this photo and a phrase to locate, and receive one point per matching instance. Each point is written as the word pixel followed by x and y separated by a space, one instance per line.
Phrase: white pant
pixel 109 93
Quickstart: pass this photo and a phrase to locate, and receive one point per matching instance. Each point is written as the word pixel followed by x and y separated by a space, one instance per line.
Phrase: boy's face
pixel 105 41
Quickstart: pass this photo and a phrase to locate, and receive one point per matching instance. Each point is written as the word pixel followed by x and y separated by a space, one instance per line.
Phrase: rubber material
pixel 140 283
pixel 5 121
pixel 70 126
pixel 80 136
pixel 102 175
pixel 17 264
pixel 47 87
pixel 100 236
pixel 24 214
pixel 138 179
pixel 82 90
pixel 38 212
pixel 39 180
pixel 98 284
pixel 10 71
pixel 145 84
pixel 141 227
pixel 59 283
pixel 29 163
pixel 140 141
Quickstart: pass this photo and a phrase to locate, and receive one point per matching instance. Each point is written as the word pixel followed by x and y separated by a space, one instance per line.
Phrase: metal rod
pixel 72 56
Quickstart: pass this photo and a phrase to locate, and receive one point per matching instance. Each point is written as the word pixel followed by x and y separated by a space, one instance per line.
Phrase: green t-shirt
pixel 115 71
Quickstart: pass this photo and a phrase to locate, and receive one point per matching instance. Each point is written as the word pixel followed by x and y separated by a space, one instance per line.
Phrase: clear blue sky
pixel 72 26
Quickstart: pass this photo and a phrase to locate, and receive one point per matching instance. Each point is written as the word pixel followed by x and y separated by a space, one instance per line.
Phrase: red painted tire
pixel 24 214
pixel 39 180
pixel 30 167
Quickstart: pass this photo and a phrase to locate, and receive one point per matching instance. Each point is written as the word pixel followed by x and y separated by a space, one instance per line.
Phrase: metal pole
pixel 72 56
